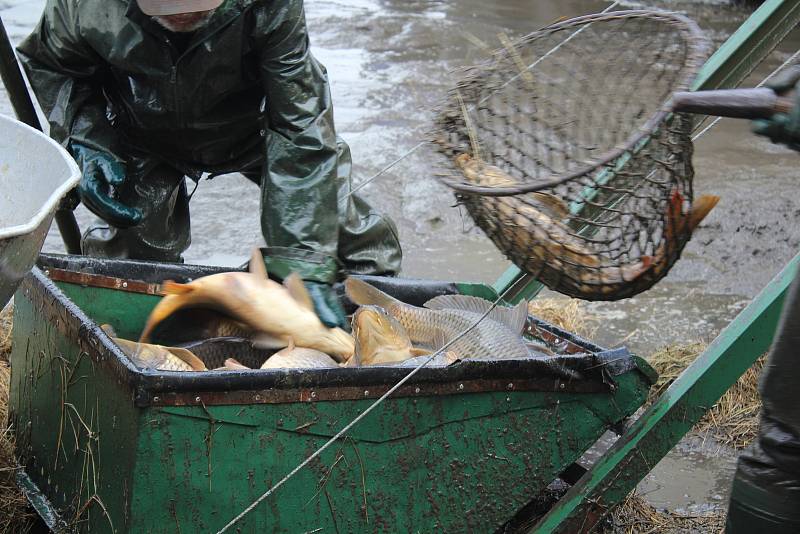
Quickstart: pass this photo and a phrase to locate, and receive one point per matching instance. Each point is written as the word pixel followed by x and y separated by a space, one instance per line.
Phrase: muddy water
pixel 389 62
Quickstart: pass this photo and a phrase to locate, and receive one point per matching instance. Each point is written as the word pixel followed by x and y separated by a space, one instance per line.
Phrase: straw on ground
pixel 15 515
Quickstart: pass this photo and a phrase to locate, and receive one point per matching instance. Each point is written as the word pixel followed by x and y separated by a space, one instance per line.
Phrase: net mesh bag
pixel 563 151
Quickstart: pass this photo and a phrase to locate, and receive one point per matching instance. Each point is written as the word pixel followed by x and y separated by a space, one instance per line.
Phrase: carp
pixel 299 358
pixel 444 318
pixel 277 313
pixel 156 357
pixel 380 338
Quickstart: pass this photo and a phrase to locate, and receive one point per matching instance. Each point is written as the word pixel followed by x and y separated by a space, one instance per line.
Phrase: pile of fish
pixel 248 309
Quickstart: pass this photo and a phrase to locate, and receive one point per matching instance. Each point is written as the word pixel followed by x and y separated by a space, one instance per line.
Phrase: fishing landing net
pixel 563 151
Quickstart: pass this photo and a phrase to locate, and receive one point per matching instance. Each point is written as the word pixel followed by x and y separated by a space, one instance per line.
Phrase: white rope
pixel 765 80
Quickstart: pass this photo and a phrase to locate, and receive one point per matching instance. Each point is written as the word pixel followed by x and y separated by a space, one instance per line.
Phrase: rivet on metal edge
pixel 508 399
pixel 461 386
pixel 416 390
pixel 313 394
pixel 124 284
pixel 46 273
pixel 156 399
pixel 562 385
pixel 197 399
pixel 257 397
pixel 510 385
pixel 366 392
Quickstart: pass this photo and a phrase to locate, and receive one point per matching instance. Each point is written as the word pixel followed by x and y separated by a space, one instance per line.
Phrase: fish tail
pixel 163 309
pixel 170 287
pixel 700 208
pixel 362 293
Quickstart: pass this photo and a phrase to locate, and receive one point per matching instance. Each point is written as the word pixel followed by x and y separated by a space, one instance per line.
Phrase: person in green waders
pixel 146 92
pixel 765 497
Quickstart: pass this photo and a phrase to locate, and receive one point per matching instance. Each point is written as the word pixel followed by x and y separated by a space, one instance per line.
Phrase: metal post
pixel 26 112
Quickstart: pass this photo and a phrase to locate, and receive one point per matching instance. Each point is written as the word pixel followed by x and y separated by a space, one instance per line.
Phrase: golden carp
pixel 299 358
pixel 497 336
pixel 276 312
pixel 677 230
pixel 534 219
pixel 534 225
pixel 481 173
pixel 380 338
pixel 156 357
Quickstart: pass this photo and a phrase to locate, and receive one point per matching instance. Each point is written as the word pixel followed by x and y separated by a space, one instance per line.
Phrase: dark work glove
pixel 326 304
pixel 101 172
pixel 783 128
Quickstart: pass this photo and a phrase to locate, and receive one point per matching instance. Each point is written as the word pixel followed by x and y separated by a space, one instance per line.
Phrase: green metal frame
pixel 727 68
pixel 668 419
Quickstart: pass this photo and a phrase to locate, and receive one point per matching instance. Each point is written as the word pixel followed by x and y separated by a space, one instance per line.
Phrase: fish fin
pixel 451 357
pixel 232 363
pixel 352 361
pixel 127 347
pixel 518 317
pixel 257 265
pixel 554 206
pixel 700 208
pixel 266 341
pixel 439 339
pixel 294 285
pixel 109 330
pixel 462 160
pixel 459 302
pixel 188 356
pixel 170 287
pixel 165 307
pixel 515 318
pixel 362 293
pixel 674 221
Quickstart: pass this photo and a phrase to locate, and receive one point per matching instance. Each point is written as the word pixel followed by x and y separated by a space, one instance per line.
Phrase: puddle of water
pixel 670 313
pixel 690 479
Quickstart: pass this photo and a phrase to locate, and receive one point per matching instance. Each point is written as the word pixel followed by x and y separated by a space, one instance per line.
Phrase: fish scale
pixel 488 340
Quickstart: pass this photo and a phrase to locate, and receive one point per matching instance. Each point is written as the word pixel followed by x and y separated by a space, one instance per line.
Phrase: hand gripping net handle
pixel 563 149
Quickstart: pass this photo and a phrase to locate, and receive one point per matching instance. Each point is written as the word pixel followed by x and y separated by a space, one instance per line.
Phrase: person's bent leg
pixel 368 241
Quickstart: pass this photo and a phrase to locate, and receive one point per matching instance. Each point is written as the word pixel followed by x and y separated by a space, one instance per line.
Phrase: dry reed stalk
pixel 15 515
pixel 733 420
pixel 636 516
pixel 567 314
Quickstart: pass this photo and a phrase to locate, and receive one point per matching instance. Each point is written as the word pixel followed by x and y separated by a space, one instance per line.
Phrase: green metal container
pixel 108 447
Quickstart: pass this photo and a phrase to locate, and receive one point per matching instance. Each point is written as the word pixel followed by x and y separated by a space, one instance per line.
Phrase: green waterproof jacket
pixel 244 93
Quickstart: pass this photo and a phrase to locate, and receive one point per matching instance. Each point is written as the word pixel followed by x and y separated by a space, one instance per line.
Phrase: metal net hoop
pixel 564 152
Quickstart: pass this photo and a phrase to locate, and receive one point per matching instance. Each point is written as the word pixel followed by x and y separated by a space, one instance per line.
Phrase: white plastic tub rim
pixel 35 173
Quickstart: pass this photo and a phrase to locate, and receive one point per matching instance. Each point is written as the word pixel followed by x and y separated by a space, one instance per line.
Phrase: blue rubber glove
pixel 101 173
pixel 326 304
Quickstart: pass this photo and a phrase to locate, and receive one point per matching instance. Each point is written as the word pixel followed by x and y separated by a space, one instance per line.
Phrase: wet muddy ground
pixel 390 62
